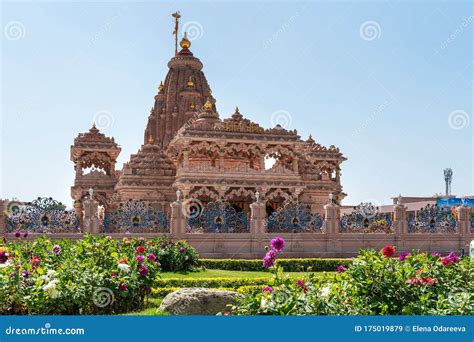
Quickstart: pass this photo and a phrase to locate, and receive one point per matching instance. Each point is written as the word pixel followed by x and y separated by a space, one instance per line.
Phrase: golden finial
pixel 151 141
pixel 190 82
pixel 192 106
pixel 237 109
pixel 161 88
pixel 185 42
pixel 208 105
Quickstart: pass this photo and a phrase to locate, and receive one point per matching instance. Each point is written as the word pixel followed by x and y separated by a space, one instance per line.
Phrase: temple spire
pixel 176 16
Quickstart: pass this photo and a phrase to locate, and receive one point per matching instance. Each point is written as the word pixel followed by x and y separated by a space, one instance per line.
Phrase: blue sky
pixel 388 82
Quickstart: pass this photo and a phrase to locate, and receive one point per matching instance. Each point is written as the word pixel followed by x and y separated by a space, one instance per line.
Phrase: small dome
pixel 185 42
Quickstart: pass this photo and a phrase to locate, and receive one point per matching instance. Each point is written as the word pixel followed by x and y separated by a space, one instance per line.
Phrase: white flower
pixel 325 291
pixel 124 268
pixel 51 289
pixel 7 263
pixel 51 273
pixel 264 304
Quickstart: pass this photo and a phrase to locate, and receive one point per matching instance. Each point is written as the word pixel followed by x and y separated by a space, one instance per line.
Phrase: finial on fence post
pixel 331 198
pixel 257 197
pixel 178 195
pixel 399 199
pixel 91 193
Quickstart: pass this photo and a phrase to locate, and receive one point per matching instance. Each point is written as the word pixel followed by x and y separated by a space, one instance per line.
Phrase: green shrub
pixel 176 256
pixel 373 284
pixel 245 290
pixel 289 265
pixel 95 275
pixel 214 283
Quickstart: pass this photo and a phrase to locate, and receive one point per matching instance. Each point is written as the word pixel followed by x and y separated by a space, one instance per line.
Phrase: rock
pixel 199 301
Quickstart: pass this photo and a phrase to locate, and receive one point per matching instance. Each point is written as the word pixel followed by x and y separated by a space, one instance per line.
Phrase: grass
pixel 151 309
pixel 207 274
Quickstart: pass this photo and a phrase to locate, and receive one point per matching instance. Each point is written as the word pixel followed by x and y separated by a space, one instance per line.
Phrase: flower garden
pixel 100 275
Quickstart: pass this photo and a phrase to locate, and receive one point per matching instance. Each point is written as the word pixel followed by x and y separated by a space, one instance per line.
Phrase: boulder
pixel 199 301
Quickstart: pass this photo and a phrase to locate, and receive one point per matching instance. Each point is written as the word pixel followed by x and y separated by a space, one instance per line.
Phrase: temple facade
pixel 188 147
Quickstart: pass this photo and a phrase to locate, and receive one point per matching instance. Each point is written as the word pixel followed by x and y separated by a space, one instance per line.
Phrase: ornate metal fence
pixel 136 217
pixel 366 218
pixel 294 218
pixel 218 217
pixel 43 215
pixel 432 219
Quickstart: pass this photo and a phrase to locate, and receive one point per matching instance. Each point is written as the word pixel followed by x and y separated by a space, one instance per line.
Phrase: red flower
pixel 35 261
pixel 123 261
pixel 388 251
pixel 140 249
pixel 430 281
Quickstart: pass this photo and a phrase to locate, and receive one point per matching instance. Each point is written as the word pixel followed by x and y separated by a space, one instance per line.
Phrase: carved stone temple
pixel 188 146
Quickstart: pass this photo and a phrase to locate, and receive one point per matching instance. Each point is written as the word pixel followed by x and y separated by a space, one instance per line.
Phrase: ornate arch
pixel 205 192
pixel 240 192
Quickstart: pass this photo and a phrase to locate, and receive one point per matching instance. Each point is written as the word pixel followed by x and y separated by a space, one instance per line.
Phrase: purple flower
pixel 182 249
pixel 151 257
pixel 143 270
pixel 25 235
pixel 3 256
pixel 140 258
pixel 56 250
pixel 25 273
pixel 122 287
pixel 436 254
pixel 453 257
pixel 341 269
pixel 403 256
pixel 269 259
pixel 158 264
pixel 113 275
pixel 278 243
pixel 268 289
pixel 17 234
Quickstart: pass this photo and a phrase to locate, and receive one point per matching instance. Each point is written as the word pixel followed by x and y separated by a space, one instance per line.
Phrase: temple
pixel 187 146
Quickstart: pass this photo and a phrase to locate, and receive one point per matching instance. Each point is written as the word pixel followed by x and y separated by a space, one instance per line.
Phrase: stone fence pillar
pixel 178 219
pixel 91 217
pixel 400 220
pixel 3 226
pixel 463 225
pixel 331 218
pixel 258 216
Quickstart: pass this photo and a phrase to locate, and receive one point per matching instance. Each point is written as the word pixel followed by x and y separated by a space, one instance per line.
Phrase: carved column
pixel 178 219
pixel 78 168
pixel 258 216
pixel 91 217
pixel 463 226
pixel 221 160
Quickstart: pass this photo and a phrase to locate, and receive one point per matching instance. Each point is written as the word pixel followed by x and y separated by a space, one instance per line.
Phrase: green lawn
pixel 206 274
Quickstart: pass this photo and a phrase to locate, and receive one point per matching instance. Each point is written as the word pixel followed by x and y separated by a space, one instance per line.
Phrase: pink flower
pixel 151 257
pixel 403 256
pixel 269 259
pixel 35 261
pixel 122 287
pixel 302 285
pixel 17 234
pixel 278 244
pixel 140 258
pixel 268 289
pixel 143 270
pixel 341 269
